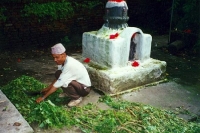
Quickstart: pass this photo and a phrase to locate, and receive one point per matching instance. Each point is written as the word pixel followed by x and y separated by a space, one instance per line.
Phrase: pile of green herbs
pixel 122 117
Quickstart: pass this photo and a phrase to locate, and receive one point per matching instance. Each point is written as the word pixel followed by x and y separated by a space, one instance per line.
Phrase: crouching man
pixel 71 76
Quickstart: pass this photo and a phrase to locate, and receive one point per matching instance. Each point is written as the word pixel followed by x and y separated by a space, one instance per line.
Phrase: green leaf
pixel 41 125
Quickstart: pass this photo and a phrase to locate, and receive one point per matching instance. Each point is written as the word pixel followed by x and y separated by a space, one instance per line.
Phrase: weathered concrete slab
pixel 121 79
pixel 11 121
pixel 115 80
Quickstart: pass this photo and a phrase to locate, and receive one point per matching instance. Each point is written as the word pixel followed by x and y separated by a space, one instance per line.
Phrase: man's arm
pixel 46 92
pixel 51 90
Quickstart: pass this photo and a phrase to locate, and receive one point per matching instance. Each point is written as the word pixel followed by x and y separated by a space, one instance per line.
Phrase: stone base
pixel 111 81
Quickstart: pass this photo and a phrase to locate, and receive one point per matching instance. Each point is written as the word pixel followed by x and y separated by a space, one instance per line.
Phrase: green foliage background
pixel 186 15
pixel 122 117
pixel 58 10
pixel 2 15
pixel 156 20
pixel 52 10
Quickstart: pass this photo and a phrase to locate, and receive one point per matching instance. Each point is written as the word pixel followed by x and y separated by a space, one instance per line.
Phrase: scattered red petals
pixel 114 36
pixel 135 64
pixel 87 60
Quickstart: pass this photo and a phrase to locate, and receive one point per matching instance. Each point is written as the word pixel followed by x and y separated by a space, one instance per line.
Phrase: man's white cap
pixel 57 49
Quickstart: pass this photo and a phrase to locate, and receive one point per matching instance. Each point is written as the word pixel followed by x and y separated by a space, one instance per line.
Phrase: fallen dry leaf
pixel 16 124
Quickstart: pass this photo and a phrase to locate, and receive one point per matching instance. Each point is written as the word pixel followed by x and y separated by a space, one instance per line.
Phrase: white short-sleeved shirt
pixel 72 70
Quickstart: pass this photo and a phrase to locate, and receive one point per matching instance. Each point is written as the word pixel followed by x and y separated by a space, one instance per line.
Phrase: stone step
pixel 11 121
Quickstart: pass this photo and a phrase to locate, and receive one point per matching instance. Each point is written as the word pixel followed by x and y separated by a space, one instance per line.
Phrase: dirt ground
pixel 173 95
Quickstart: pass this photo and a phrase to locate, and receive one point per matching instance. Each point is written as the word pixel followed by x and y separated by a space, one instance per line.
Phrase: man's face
pixel 59 58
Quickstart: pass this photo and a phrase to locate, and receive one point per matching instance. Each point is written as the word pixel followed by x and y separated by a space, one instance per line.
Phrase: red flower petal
pixel 114 36
pixel 135 64
pixel 18 60
pixel 87 60
pixel 116 0
pixel 187 31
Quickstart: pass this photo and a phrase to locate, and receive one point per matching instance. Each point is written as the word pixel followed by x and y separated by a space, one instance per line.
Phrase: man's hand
pixel 39 99
pixel 49 92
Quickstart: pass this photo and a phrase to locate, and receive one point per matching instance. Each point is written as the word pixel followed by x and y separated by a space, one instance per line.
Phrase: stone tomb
pixel 110 69
pixel 119 56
